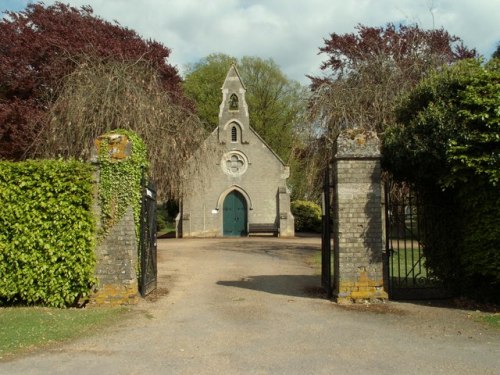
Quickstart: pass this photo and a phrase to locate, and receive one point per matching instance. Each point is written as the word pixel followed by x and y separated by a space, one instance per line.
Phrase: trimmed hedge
pixel 47 232
pixel 307 216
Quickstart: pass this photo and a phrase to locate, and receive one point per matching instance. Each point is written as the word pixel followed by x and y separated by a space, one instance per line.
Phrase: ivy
pixel 47 232
pixel 120 181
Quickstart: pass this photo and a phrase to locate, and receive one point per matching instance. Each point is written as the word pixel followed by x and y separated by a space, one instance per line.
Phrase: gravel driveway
pixel 252 306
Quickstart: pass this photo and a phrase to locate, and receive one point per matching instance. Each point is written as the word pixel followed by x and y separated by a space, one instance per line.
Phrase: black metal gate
pixel 326 236
pixel 409 277
pixel 147 245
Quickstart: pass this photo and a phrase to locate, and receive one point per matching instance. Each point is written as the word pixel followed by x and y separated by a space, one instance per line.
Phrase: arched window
pixel 233 102
pixel 234 134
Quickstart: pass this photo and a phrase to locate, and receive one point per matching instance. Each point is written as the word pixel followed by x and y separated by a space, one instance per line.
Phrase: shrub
pixel 46 232
pixel 447 144
pixel 307 216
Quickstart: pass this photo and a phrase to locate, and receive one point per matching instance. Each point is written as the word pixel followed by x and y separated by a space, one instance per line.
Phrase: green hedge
pixel 447 145
pixel 47 232
pixel 307 216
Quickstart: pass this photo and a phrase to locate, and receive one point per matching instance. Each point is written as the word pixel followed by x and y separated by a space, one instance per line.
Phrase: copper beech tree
pixel 367 71
pixel 41 45
pixel 67 77
pixel 365 74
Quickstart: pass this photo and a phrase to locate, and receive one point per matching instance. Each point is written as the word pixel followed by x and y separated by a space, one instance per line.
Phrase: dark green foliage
pixel 496 54
pixel 448 147
pixel 166 214
pixel 307 216
pixel 450 126
pixel 172 208
pixel 161 219
pixel 460 233
pixel 480 250
pixel 440 231
pixel 46 232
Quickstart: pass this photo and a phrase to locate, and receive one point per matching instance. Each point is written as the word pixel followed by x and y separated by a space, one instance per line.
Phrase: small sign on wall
pixel 119 146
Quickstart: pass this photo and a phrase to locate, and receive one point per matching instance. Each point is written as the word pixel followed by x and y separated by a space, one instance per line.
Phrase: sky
pixel 288 31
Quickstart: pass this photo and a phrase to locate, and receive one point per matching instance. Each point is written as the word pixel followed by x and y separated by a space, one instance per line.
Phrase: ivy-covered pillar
pixel 358 218
pixel 120 158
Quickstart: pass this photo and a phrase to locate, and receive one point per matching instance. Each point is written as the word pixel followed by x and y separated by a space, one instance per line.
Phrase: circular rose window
pixel 234 163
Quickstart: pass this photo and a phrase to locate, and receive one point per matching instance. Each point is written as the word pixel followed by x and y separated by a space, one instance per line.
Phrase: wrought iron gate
pixel 326 236
pixel 147 245
pixel 409 277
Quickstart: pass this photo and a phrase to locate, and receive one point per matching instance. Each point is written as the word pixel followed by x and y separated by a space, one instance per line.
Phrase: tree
pixel 307 164
pixel 447 145
pixel 367 71
pixel 275 102
pixel 103 95
pixel 496 54
pixel 449 127
pixel 41 45
pixel 365 74
pixel 203 82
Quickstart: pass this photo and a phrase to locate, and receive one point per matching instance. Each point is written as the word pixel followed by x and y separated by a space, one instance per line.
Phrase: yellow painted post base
pixel 362 290
pixel 115 295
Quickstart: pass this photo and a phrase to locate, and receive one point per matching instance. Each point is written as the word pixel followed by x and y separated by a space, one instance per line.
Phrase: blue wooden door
pixel 235 215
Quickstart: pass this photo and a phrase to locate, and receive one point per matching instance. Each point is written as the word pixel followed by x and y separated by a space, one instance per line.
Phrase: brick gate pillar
pixel 357 221
pixel 116 252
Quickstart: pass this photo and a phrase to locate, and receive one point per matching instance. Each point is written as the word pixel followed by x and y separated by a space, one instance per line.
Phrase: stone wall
pixel 357 218
pixel 116 265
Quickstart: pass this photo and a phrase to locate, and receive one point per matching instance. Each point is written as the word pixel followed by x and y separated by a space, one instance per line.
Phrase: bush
pixel 447 145
pixel 479 252
pixel 47 232
pixel 307 216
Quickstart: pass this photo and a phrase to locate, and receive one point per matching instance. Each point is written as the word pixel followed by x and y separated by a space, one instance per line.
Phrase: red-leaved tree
pixel 364 75
pixel 41 45
pixel 367 71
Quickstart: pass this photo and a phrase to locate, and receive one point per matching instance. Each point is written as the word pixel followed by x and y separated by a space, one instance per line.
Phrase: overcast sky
pixel 288 31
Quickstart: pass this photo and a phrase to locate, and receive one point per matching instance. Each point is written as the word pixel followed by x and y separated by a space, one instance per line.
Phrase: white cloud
pixel 288 31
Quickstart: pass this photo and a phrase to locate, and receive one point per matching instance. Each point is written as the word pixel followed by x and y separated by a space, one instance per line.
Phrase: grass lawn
pixel 315 262
pixel 166 229
pixel 406 272
pixel 26 328
pixel 492 320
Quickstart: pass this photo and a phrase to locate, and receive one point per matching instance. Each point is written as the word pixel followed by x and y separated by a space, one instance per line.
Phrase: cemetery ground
pixel 253 306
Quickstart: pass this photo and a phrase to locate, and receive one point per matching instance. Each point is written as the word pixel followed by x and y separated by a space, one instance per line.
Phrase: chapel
pixel 239 186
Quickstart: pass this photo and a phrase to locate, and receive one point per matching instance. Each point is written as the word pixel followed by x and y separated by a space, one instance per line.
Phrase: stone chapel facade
pixel 242 185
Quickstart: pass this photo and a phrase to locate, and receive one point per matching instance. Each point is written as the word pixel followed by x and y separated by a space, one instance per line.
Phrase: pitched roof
pixel 233 72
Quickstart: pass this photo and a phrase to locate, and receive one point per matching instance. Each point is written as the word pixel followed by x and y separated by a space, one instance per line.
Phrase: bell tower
pixel 233 111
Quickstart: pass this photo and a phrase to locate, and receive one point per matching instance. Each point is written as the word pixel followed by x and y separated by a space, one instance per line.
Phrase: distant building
pixel 238 185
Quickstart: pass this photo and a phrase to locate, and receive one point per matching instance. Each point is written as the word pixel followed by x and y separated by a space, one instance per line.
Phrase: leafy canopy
pixel 449 127
pixel 41 45
pixel 496 54
pixel 364 75
pixel 367 71
pixel 103 95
